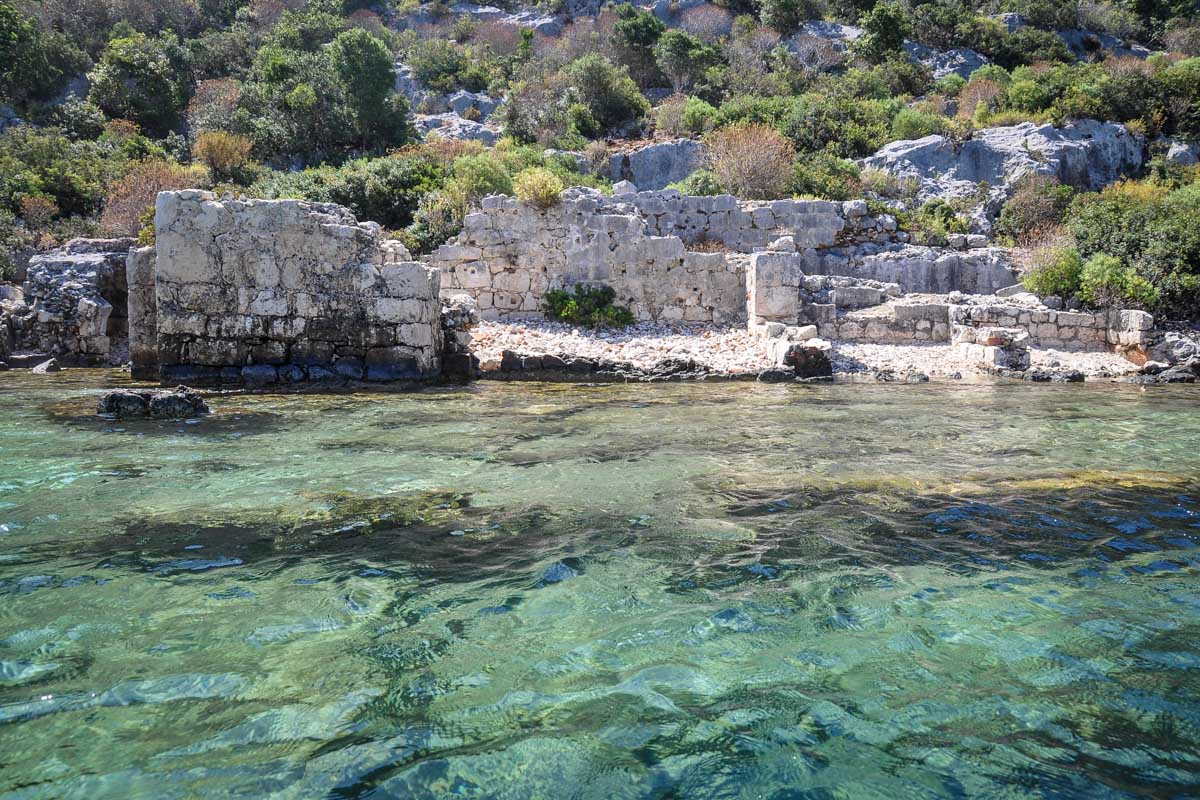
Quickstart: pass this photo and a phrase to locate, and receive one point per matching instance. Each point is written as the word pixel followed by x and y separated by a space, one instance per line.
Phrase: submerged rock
pixel 45 367
pixel 179 403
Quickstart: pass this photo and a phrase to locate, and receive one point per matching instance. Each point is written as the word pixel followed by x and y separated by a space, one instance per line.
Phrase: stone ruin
pixel 73 305
pixel 266 292
pixel 263 293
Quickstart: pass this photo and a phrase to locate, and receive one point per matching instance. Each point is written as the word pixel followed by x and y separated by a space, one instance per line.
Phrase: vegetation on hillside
pixel 297 98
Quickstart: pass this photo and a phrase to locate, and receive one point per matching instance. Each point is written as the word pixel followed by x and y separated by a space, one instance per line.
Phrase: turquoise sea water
pixel 672 591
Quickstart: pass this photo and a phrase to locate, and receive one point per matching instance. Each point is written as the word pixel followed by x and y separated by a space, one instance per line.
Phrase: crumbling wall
pixel 143 314
pixel 676 257
pixel 266 291
pixel 74 301
pixel 510 254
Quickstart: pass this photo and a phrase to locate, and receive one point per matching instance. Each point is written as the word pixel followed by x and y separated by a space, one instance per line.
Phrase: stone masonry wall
pixel 259 292
pixel 143 314
pixel 510 254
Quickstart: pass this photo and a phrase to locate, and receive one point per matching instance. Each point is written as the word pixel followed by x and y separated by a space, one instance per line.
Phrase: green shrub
pixel 700 182
pixel 699 116
pixel 912 124
pixel 586 305
pixel 1107 282
pixel 481 175
pixel 1149 228
pixel 143 79
pixel 1038 202
pixel 438 218
pixel 826 176
pixel 384 190
pixel 538 186
pixel 1058 273
pixel 936 220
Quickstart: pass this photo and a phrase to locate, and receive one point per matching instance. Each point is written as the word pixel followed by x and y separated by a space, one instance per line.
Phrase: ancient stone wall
pixel 646 246
pixel 510 254
pixel 259 292
pixel 74 303
pixel 143 314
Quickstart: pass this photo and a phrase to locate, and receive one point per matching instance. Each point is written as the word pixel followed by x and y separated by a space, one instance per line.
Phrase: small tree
pixel 783 16
pixel 683 58
pixel 143 79
pixel 751 160
pixel 884 30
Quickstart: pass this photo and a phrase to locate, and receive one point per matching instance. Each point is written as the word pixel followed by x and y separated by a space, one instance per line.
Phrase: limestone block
pixel 395 310
pixel 856 297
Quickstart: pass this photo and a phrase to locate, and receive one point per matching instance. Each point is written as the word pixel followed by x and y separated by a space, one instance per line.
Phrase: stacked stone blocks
pixel 285 291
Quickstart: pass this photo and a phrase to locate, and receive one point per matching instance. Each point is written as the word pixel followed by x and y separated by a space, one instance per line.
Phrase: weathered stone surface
pixel 143 313
pixel 1086 153
pixel 452 126
pixel 179 403
pixel 74 301
pixel 656 165
pixel 257 285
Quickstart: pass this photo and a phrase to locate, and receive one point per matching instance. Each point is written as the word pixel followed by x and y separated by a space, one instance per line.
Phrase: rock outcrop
pixel 1087 154
pixel 179 403
pixel 452 126
pixel 657 165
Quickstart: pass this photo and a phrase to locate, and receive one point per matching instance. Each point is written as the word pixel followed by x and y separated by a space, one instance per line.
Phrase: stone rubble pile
pixel 72 303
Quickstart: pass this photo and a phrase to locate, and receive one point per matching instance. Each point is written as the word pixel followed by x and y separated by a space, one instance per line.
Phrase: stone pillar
pixel 773 287
pixel 143 314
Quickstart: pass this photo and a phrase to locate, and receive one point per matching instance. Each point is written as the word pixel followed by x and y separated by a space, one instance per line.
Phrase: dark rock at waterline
pixel 1054 376
pixel 1172 375
pixel 177 403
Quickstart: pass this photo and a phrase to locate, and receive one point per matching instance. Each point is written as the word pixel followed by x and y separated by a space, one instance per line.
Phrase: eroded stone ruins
pixel 259 293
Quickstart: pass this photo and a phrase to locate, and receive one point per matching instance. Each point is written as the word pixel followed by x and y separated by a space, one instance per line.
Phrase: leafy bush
pixel 1150 229
pixel 586 305
pixel 912 124
pixel 143 79
pixel 384 190
pixel 1058 273
pixel 826 176
pixel 884 28
pixel 751 160
pixel 481 175
pixel 538 186
pixel 438 218
pixel 935 221
pixel 226 155
pixel 700 182
pixel 1038 202
pixel 1107 282
pixel 685 116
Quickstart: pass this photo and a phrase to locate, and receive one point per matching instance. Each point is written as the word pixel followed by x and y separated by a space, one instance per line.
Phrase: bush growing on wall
pixel 538 186
pixel 1058 273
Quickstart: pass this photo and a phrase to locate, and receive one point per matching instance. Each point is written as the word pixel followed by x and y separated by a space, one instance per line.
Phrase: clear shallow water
pixel 676 591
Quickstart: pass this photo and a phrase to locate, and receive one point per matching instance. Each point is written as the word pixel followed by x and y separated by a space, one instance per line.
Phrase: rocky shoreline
pixel 645 352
